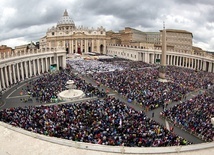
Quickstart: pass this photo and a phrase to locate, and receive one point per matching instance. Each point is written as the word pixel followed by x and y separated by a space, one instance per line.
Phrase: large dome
pixel 65 19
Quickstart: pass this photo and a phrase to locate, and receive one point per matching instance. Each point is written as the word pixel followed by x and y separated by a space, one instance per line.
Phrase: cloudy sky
pixel 22 21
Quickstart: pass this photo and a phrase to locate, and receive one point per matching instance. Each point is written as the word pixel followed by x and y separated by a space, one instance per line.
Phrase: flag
pixel 121 122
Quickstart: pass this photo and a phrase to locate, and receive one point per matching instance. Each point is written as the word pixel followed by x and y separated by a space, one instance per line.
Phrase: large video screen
pixel 53 67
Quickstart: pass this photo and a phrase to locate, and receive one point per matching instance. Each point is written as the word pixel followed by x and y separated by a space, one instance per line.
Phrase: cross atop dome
pixel 65 13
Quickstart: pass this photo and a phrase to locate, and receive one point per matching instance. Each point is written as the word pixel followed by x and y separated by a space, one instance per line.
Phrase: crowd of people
pixel 143 86
pixel 92 66
pixel 106 65
pixel 194 115
pixel 189 78
pixel 107 122
pixel 47 87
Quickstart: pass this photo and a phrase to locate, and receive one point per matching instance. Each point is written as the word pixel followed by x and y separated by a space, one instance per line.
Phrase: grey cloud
pixel 133 13
pixel 193 2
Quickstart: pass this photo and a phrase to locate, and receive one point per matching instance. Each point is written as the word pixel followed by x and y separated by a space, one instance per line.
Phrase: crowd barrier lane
pixel 184 129
pixel 110 149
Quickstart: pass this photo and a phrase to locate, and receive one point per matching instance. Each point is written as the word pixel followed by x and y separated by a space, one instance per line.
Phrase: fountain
pixel 71 93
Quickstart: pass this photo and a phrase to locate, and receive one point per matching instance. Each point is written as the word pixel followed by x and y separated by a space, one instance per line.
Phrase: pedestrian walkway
pixel 167 124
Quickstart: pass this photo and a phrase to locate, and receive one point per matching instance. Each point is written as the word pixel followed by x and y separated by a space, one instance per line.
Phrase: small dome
pixel 65 19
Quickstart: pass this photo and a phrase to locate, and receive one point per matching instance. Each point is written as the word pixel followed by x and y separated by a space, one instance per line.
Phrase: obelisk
pixel 162 69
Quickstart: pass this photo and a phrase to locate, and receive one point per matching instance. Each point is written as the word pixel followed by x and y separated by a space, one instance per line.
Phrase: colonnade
pixel 81 45
pixel 152 56
pixel 18 69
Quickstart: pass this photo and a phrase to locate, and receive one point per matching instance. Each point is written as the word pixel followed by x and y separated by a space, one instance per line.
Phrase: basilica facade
pixel 74 39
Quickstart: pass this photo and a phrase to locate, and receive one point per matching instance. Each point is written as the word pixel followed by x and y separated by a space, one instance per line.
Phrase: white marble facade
pixel 75 39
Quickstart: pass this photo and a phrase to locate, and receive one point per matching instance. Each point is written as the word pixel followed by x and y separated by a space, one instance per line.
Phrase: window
pixel 52 33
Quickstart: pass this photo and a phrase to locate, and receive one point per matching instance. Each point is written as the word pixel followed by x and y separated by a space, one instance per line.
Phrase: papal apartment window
pixel 53 33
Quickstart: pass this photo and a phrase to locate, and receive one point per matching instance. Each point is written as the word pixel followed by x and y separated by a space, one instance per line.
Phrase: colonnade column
pixel 42 61
pixel 204 65
pixel 30 67
pixel 176 61
pixel 38 66
pixel 18 71
pixel 6 76
pixel 147 57
pixel 213 68
pixel 86 45
pixel 57 62
pixel 10 74
pixel 2 78
pixel 104 47
pixel 51 61
pixel 26 68
pixel 173 61
pixel 153 58
pixel 63 62
pixel 34 67
pixel 201 65
pixel 169 56
pixel 81 46
pixel 22 70
pixel 46 64
pixel 210 67
pixel 192 64
pixel 188 62
pixel 76 46
pixel 198 65
pixel 98 46
pixel 14 74
pixel 72 46
pixel 69 43
pixel 92 45
pixel 183 60
pixel 0 86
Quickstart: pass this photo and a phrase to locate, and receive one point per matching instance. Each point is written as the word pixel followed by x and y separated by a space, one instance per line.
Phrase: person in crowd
pixel 107 122
pixel 194 115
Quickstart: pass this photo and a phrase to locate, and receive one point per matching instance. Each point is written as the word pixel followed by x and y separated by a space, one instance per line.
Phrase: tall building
pixel 153 38
pixel 26 47
pixel 5 51
pixel 178 40
pixel 130 36
pixel 5 48
pixel 74 39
